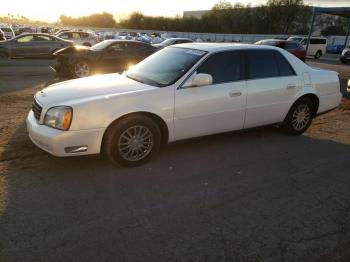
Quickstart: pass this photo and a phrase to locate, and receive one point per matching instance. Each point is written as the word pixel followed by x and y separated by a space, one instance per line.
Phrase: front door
pixel 215 108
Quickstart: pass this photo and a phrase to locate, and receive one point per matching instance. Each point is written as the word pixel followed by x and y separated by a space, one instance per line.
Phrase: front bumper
pixel 56 142
pixel 345 58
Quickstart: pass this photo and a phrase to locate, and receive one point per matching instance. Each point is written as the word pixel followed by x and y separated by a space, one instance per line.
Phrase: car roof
pixel 124 40
pixel 24 34
pixel 214 47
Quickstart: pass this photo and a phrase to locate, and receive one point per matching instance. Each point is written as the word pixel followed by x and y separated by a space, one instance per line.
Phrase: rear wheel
pixel 318 54
pixel 299 117
pixel 132 141
pixel 81 69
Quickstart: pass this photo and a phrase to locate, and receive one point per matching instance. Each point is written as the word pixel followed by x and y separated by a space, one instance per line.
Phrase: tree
pixel 96 20
pixel 333 30
pixel 222 4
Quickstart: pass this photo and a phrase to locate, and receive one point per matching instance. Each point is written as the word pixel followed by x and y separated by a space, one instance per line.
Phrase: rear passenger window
pixel 223 67
pixel 261 64
pixel 285 69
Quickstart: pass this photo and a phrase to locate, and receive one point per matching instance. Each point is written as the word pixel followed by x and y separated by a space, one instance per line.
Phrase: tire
pixel 297 122
pixel 81 69
pixel 132 141
pixel 318 54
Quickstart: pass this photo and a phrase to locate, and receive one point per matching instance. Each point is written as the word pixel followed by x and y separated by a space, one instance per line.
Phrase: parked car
pixel 291 46
pixel 2 36
pixel 79 38
pixel 334 49
pixel 106 56
pixel 317 46
pixel 7 32
pixel 173 41
pixel 180 92
pixel 345 55
pixel 32 45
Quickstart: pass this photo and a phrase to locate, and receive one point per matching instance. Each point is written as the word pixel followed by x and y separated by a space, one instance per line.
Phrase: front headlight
pixel 344 51
pixel 59 117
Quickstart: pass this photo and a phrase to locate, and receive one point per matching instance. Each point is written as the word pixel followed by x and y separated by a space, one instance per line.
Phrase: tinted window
pixel 84 35
pixel 291 45
pixel 223 67
pixel 118 47
pixel 42 38
pixel 137 46
pixel 76 35
pixel 5 29
pixel 318 41
pixel 261 64
pixel 25 39
pixel 285 69
pixel 65 35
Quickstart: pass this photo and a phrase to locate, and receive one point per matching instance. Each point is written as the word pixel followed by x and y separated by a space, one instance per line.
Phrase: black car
pixel 109 56
pixel 345 55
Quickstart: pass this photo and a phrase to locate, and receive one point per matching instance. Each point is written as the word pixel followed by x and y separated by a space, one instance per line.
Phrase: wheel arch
pixel 314 99
pixel 164 130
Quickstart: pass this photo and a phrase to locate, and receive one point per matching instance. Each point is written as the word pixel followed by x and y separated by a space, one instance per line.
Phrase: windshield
pixel 298 39
pixel 167 42
pixel 165 67
pixel 100 46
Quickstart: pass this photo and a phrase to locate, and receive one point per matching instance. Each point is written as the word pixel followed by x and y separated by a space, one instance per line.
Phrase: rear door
pixel 272 85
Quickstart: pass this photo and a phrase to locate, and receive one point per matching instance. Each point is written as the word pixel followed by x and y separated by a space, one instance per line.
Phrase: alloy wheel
pixel 135 143
pixel 301 117
pixel 81 69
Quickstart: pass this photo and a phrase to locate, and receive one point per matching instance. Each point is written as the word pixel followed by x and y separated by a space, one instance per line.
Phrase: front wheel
pixel 132 141
pixel 81 69
pixel 299 117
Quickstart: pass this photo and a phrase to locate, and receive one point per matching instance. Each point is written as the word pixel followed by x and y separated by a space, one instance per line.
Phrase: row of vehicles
pixel 179 92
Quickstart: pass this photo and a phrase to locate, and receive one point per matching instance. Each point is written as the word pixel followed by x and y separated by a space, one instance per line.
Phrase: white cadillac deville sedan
pixel 183 91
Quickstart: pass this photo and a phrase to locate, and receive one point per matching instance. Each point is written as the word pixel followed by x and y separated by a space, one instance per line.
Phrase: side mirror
pixel 199 80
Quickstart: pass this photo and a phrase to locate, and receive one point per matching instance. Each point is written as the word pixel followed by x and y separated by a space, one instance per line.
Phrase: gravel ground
pixel 255 195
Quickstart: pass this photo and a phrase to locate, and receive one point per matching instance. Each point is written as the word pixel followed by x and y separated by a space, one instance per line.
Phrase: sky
pixel 50 10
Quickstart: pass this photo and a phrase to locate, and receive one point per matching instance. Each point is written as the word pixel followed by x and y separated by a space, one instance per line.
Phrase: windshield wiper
pixel 146 81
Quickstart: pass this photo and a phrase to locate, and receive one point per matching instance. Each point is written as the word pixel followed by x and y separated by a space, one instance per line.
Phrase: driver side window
pixel 25 39
pixel 223 67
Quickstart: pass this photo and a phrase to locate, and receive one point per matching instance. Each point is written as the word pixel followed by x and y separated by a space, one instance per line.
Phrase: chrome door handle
pixel 291 86
pixel 235 93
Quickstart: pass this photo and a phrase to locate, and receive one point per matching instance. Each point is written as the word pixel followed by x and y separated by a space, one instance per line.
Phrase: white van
pixel 317 46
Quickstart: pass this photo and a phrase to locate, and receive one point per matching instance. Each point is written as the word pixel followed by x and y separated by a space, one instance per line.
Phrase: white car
pixel 183 91
pixel 79 38
pixel 317 46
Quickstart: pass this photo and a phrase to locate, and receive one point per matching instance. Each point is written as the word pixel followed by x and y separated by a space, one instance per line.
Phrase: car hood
pixel 68 92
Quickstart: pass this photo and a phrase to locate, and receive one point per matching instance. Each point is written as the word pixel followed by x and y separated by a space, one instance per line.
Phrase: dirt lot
pixel 256 195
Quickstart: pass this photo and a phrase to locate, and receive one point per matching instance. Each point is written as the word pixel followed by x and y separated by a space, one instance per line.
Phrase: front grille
pixel 36 109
